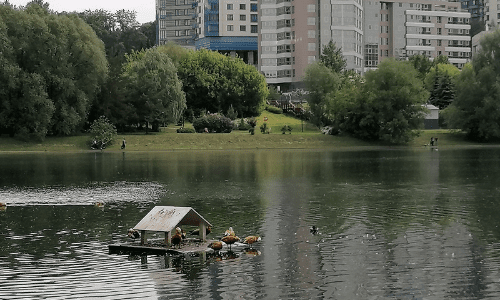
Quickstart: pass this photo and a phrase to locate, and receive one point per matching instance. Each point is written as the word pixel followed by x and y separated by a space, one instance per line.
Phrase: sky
pixel 145 9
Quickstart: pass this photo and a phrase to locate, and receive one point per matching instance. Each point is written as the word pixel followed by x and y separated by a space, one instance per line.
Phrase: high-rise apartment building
pixel 176 21
pixel 229 26
pixel 292 33
pixel 404 28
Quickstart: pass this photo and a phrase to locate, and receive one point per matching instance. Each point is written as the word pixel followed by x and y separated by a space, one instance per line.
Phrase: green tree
pixel 152 88
pixel 121 34
pixel 320 81
pixel 386 107
pixel 422 64
pixel 56 65
pixel 476 108
pixel 102 132
pixel 332 57
pixel 440 82
pixel 213 82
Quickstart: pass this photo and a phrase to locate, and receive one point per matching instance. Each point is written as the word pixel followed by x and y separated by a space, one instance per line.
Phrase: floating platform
pixel 189 246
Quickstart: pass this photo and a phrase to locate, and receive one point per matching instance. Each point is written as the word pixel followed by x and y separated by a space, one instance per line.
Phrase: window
pixel 311 34
pixel 230 17
pixel 243 6
pixel 243 28
pixel 186 22
pixel 253 7
pixel 229 7
pixel 243 17
pixel 253 29
pixel 254 18
pixel 311 8
pixel 439 31
pixel 311 21
pixel 230 28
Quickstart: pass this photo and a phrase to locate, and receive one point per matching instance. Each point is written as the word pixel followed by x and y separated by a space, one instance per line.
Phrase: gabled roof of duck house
pixel 166 218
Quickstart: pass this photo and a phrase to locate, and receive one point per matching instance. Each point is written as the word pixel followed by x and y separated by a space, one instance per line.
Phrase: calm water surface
pixel 393 224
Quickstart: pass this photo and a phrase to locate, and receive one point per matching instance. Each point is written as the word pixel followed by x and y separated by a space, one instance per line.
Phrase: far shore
pixel 169 140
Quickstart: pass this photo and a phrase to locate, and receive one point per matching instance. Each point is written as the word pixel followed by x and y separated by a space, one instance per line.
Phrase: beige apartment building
pixel 292 34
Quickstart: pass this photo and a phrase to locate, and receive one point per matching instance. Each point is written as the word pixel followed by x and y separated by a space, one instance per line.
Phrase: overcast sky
pixel 145 9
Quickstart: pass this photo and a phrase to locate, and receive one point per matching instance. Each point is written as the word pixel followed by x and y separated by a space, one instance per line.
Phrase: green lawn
pixel 169 139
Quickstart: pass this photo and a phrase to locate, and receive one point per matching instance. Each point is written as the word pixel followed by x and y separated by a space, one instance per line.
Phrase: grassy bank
pixel 168 139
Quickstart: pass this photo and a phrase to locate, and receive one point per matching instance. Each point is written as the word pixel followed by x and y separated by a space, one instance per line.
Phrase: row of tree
pixel 60 72
pixel 387 103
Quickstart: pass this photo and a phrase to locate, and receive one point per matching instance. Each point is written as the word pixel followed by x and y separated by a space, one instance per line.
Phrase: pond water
pixel 392 224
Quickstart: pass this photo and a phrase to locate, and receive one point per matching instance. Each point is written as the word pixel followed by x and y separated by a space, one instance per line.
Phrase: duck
pixel 216 246
pixel 230 232
pixel 3 206
pixel 99 204
pixel 177 237
pixel 197 231
pixel 230 239
pixel 313 229
pixel 251 239
pixel 133 233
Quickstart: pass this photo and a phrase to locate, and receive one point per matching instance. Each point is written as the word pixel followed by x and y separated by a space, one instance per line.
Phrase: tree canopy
pixel 152 88
pixel 476 108
pixel 332 57
pixel 52 67
pixel 214 82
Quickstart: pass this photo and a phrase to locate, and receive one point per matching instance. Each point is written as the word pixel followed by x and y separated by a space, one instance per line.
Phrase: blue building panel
pixel 228 43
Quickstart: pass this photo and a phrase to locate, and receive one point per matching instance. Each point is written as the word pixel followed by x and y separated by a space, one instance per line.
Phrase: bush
pixel 213 123
pixel 243 125
pixel 102 133
pixel 264 129
pixel 286 128
pixel 274 109
pixel 185 130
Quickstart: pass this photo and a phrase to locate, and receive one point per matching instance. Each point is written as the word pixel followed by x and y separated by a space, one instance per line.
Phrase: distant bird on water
pixel 313 229
pixel 230 232
pixel 3 206
pixel 177 238
pixel 251 239
pixel 99 204
pixel 133 233
pixel 197 231
pixel 216 246
pixel 230 239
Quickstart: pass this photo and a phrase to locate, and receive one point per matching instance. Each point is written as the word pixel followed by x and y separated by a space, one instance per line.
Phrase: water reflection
pixel 391 224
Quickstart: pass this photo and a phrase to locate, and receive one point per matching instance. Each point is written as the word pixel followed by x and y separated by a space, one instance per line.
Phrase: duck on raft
pixel 177 238
pixel 133 233
pixel 251 239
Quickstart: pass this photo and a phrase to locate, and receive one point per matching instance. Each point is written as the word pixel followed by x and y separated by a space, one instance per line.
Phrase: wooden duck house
pixel 167 218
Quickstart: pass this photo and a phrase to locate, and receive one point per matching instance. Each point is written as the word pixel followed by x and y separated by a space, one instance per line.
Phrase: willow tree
pixel 52 67
pixel 152 88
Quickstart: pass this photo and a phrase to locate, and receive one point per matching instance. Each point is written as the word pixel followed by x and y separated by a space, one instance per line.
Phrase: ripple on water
pixel 84 195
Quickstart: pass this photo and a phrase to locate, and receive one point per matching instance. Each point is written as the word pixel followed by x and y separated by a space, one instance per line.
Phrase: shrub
pixel 213 123
pixel 274 109
pixel 243 125
pixel 102 133
pixel 264 129
pixel 286 128
pixel 185 130
pixel 231 113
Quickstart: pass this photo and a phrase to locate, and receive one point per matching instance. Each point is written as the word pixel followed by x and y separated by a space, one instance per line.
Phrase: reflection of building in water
pixel 291 255
pixel 420 261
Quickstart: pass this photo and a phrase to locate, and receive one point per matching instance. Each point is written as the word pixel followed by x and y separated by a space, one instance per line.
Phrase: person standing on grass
pixel 124 144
